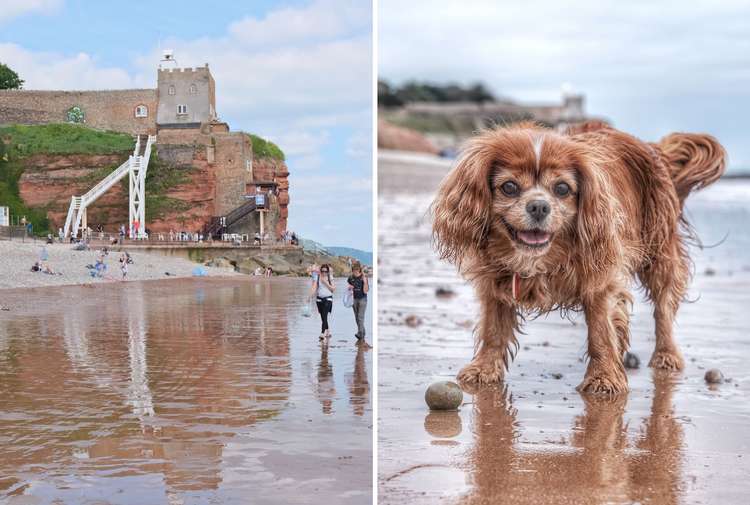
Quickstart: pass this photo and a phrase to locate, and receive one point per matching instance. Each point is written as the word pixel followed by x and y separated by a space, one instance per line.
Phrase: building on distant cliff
pixel 447 124
pixel 181 111
pixel 484 114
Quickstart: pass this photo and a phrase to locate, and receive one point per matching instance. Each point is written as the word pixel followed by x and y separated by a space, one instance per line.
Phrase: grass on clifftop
pixel 265 148
pixel 62 138
pixel 10 173
pixel 21 141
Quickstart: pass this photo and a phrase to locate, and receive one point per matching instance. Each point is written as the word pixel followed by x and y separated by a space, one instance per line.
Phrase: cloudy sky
pixel 296 72
pixel 650 67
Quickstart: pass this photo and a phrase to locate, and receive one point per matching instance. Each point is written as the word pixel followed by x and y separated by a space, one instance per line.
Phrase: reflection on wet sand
pixel 142 387
pixel 326 386
pixel 595 464
pixel 359 387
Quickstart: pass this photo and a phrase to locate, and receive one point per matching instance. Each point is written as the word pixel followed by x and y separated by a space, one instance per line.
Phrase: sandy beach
pixel 672 439
pixel 17 257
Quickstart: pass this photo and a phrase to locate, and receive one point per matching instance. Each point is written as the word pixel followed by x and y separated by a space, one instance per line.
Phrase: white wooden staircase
pixel 136 167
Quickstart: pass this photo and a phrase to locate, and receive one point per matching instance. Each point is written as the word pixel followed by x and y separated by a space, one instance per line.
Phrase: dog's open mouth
pixel 535 238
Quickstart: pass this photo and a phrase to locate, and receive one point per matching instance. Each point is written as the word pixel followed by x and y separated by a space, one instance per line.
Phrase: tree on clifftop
pixel 9 79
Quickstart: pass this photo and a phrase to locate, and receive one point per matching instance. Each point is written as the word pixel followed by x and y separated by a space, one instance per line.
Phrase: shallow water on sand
pixel 671 440
pixel 183 391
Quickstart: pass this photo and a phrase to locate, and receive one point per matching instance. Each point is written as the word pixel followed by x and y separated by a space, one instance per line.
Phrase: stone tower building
pixel 186 97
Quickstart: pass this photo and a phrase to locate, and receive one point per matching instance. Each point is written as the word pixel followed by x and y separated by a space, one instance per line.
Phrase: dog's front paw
pixel 667 360
pixel 486 368
pixel 599 380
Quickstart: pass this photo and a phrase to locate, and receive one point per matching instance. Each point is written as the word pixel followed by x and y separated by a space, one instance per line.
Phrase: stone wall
pixel 105 110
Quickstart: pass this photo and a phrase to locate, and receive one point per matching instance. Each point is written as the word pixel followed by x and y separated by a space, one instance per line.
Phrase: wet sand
pixel 187 391
pixel 671 440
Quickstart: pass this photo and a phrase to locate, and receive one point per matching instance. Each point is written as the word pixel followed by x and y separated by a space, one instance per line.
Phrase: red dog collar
pixel 516 286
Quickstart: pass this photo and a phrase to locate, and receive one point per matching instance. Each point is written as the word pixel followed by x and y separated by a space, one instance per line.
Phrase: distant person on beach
pixel 359 285
pixel 124 260
pixel 60 235
pixel 323 288
pixel 101 265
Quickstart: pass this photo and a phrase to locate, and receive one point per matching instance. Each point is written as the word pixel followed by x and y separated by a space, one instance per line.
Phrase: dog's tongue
pixel 534 236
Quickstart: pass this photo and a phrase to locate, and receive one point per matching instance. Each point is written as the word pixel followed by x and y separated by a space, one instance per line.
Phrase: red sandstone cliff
pixel 49 181
pixel 391 136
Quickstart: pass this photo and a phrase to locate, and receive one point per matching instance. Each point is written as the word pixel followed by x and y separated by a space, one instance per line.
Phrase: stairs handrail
pixel 113 177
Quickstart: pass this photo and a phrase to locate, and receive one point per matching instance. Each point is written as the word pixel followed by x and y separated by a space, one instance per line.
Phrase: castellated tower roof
pixel 186 97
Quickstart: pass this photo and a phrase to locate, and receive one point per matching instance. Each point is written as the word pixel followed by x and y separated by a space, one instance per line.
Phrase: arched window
pixel 193 89
pixel 172 91
pixel 141 111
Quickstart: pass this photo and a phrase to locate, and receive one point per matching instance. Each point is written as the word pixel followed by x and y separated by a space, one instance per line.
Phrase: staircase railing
pixel 137 163
pixel 218 224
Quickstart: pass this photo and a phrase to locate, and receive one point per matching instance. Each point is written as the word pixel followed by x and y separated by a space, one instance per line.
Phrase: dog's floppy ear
pixel 597 222
pixel 461 210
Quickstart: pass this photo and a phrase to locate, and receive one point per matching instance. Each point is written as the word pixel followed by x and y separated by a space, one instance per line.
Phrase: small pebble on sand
pixel 556 375
pixel 412 321
pixel 714 376
pixel 443 395
pixel 444 293
pixel 631 360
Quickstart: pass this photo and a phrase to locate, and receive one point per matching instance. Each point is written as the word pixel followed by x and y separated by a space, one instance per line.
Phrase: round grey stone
pixel 631 360
pixel 443 395
pixel 714 376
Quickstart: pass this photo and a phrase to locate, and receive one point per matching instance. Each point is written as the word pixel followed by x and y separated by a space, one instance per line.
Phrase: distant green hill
pixel 361 256
pixel 358 254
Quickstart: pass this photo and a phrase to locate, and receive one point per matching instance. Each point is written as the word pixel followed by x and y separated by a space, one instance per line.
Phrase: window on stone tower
pixel 182 109
pixel 141 111
pixel 193 89
pixel 171 91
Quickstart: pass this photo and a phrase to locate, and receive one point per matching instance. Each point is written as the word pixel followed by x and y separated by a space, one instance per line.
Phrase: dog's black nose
pixel 538 209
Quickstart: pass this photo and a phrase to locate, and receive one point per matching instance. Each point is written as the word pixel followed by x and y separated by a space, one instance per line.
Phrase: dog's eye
pixel 562 189
pixel 510 188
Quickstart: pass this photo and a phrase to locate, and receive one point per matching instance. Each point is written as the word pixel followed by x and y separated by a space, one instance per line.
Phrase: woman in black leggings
pixel 322 289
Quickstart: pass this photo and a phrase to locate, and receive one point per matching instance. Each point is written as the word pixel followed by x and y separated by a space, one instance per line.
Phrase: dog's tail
pixel 695 161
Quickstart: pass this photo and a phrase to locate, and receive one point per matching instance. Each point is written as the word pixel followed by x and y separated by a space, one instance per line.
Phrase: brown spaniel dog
pixel 539 221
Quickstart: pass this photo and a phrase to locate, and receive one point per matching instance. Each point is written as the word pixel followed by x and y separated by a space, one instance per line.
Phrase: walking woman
pixel 322 289
pixel 359 286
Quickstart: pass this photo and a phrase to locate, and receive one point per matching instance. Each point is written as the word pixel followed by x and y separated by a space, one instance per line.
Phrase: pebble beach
pixel 69 265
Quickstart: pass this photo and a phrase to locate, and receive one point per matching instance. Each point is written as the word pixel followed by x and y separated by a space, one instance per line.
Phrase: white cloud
pixel 321 20
pixel 14 8
pixel 43 70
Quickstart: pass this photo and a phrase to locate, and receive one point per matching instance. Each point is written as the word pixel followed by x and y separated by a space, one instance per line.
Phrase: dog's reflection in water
pixel 602 461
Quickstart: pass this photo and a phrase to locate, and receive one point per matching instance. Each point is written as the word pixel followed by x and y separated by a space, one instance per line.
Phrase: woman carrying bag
pixel 322 289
